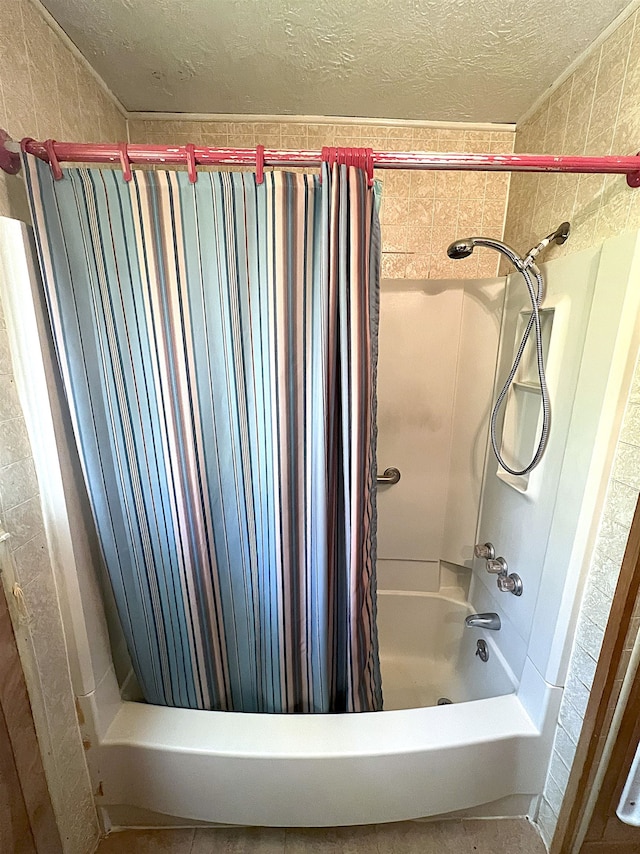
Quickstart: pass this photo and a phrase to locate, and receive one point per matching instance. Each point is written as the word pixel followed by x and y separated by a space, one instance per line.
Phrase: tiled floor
pixel 471 836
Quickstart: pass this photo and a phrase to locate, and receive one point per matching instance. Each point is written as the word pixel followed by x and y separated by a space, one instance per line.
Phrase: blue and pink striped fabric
pixel 218 344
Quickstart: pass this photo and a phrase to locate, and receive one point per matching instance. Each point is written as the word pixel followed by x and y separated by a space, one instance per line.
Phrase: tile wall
pixel 421 213
pixel 620 503
pixel 595 111
pixel 44 92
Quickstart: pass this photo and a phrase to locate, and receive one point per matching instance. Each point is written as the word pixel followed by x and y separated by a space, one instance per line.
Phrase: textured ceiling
pixel 448 60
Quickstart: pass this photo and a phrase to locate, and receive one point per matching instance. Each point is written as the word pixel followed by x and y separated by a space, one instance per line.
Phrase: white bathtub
pixel 324 770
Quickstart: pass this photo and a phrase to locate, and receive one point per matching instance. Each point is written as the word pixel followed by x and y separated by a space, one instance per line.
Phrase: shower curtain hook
pixel 259 164
pixel 125 162
pixel 323 159
pixel 54 163
pixel 191 162
pixel 368 157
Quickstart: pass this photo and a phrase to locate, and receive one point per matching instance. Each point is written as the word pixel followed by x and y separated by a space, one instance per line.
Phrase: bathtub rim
pixel 299 770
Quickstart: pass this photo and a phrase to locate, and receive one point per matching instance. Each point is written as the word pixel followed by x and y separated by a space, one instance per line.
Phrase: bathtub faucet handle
pixel 497 566
pixel 484 550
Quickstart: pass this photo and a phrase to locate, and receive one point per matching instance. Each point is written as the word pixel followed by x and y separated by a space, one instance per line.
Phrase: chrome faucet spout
pixel 483 621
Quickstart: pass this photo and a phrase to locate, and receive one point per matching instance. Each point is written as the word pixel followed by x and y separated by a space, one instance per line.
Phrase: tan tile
pixel 503 836
pixel 394 238
pixel 418 266
pixel 477 141
pixel 448 185
pixel 32 560
pixel 421 212
pixel 394 210
pixel 237 840
pixel 15 441
pixel 445 214
pixel 396 182
pixel 413 837
pixel 297 141
pixel 401 134
pixel 147 842
pixel 18 483
pixel 493 214
pixel 419 239
pixel 502 141
pixel 422 184
pixel 469 221
pixel 443 267
pixel 23 522
pixel 604 114
pixel 349 840
pixel 393 266
pixel 425 139
pixel 487 264
pixel 472 185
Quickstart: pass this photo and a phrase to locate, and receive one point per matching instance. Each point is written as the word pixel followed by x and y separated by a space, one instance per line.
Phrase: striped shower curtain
pixel 217 343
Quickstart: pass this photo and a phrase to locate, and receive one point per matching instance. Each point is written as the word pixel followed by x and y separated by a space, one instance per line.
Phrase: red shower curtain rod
pixel 127 154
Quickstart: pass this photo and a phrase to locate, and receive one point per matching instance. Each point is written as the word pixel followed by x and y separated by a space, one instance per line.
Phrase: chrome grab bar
pixel 391 475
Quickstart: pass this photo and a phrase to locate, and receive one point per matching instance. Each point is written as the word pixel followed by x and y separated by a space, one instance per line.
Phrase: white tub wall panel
pixel 424 576
pixel 474 679
pixel 606 376
pixel 421 636
pixel 518 524
pixel 408 575
pixel 541 702
pixel 509 639
pixel 320 770
pixel 482 304
pixel 419 336
pixel 455 580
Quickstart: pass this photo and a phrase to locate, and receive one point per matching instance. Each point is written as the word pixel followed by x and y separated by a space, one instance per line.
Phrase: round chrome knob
pixel 484 550
pixel 510 584
pixel 497 566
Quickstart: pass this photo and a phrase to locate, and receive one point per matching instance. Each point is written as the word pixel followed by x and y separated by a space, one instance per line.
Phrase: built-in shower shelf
pixel 527 386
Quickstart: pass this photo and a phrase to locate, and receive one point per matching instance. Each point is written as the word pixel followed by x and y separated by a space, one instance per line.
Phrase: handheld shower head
pixel 461 248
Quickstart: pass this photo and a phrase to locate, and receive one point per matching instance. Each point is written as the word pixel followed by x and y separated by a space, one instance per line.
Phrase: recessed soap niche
pixel 523 407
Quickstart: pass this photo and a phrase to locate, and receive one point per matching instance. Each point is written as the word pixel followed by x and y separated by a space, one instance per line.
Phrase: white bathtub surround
pixel 438 347
pixel 554 554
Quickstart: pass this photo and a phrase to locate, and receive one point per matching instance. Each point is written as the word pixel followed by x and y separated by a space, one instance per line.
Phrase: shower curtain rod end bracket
pixel 9 158
pixel 633 178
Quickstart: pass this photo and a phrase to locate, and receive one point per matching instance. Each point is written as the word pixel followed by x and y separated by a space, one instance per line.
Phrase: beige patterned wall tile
pixel 596 111
pixel 412 200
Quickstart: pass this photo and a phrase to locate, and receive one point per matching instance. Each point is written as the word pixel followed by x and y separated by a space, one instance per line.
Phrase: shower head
pixel 461 248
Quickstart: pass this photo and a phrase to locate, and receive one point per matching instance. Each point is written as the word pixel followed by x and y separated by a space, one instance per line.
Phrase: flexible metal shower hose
pixel 536 297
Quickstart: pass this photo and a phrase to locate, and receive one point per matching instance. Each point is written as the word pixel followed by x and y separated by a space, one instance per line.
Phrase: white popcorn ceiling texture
pixel 447 60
